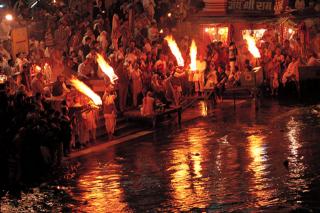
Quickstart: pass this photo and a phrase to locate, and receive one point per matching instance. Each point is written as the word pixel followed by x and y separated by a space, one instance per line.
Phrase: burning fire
pixel 252 46
pixel 84 89
pixel 193 56
pixel 175 50
pixel 106 68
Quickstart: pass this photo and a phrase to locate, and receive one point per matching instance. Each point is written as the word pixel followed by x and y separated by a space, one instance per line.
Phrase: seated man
pixel 212 80
pixel 59 87
pixel 247 66
pixel 290 79
pixel 234 78
pixel 313 60
pixel 37 84
pixel 158 87
pixel 148 105
pixel 211 77
pixel 291 73
pixel 222 79
pixel 85 69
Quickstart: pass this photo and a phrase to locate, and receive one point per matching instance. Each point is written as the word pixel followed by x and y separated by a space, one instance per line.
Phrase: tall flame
pixel 84 89
pixel 106 68
pixel 193 56
pixel 175 50
pixel 252 46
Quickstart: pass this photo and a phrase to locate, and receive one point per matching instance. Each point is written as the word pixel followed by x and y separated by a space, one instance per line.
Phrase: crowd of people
pixel 44 117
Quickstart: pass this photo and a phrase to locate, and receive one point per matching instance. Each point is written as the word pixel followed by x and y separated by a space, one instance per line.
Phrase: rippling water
pixel 251 161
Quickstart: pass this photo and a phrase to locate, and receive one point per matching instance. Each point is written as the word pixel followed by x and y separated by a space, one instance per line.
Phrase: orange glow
pixel 217 33
pixel 211 30
pixel 193 56
pixel 204 108
pixel 46 67
pixel 9 17
pixel 290 30
pixel 106 68
pixel 38 68
pixel 223 31
pixel 84 89
pixel 251 42
pixel 175 50
pixel 259 168
pixel 187 182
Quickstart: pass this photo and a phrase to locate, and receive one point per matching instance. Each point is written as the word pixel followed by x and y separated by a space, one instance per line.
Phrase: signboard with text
pixel 279 6
pixel 251 7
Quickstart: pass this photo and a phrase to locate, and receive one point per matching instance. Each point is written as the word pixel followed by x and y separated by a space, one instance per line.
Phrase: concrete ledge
pixel 105 144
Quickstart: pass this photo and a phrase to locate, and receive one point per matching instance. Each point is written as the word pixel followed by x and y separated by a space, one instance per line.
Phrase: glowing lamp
pixel 9 17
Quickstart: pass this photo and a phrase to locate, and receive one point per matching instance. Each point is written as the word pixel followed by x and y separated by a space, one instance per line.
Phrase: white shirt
pixel 84 70
pixel 313 62
pixel 292 71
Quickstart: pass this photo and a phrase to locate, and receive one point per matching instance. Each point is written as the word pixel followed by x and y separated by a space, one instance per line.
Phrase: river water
pixel 252 161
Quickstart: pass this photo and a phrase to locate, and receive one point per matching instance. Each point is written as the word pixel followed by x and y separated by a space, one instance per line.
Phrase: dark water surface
pixel 223 162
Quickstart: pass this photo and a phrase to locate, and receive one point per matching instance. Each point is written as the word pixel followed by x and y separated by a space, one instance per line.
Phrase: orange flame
pixel 84 89
pixel 175 50
pixel 252 46
pixel 193 56
pixel 106 68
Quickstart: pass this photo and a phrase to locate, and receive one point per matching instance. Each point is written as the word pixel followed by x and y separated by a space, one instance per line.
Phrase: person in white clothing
pixel 313 60
pixel 136 83
pixel 292 72
pixel 198 76
pixel 110 112
pixel 148 105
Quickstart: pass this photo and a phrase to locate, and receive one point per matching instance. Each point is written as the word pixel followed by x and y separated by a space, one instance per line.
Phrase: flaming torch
pixel 84 89
pixel 251 42
pixel 193 56
pixel 106 68
pixel 175 50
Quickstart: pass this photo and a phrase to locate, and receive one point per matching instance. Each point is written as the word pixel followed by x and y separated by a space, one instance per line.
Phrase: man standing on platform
pixel 198 77
pixel 110 111
pixel 233 52
pixel 123 73
pixel 37 84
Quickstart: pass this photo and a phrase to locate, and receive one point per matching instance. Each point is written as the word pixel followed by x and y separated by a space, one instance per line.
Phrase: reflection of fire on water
pixel 258 153
pixel 188 187
pixel 297 168
pixel 106 68
pixel 175 50
pixel 84 89
pixel 193 56
pixel 204 108
pixel 100 186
